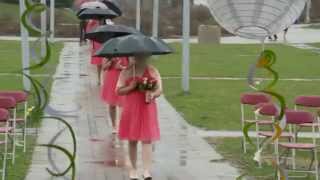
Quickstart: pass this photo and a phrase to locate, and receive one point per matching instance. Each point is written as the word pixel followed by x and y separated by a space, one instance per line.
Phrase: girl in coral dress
pixel 95 46
pixel 140 86
pixel 112 69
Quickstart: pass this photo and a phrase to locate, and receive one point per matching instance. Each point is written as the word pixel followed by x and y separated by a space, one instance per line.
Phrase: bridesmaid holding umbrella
pixel 112 66
pixel 139 86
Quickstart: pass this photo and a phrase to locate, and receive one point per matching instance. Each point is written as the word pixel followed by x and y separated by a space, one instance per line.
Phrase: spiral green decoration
pixel 265 61
pixel 39 91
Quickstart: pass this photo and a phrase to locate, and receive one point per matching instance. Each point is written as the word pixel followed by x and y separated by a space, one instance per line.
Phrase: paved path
pixel 181 154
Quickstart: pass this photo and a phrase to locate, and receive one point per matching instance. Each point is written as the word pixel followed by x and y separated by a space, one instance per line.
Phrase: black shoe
pixel 147 178
pixel 134 179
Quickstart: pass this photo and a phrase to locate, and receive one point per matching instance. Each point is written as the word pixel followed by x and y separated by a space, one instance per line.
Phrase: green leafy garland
pixel 39 91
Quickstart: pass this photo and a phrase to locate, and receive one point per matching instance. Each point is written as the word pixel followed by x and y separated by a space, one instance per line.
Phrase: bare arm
pixel 123 89
pixel 158 91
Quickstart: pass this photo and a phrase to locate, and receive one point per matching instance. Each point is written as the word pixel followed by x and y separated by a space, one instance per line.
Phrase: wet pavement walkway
pixel 181 154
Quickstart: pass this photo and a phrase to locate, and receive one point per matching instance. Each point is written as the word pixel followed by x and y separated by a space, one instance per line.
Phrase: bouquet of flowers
pixel 147 84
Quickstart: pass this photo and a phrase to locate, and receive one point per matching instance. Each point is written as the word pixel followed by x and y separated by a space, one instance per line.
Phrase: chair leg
pixel 316 162
pixel 258 139
pixel 244 142
pixel 25 127
pixel 14 136
pixel 4 163
pixel 276 151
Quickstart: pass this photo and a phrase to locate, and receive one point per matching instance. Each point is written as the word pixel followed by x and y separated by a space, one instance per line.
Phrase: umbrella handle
pixel 134 71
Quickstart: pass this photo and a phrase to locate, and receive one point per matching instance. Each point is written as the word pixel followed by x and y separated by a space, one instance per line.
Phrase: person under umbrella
pixel 97 61
pixel 112 68
pixel 106 32
pixel 139 85
pixel 97 13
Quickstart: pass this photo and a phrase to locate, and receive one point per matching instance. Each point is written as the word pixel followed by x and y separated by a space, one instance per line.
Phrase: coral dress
pixel 95 47
pixel 139 120
pixel 110 80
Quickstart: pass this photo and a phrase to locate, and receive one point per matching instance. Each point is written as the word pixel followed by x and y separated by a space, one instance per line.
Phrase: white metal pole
pixel 308 9
pixel 155 21
pixel 138 15
pixel 25 48
pixel 186 47
pixel 43 29
pixel 52 19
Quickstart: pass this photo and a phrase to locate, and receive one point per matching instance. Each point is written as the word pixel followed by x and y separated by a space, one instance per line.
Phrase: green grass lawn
pixel 214 104
pixel 231 150
pixel 234 61
pixel 10 61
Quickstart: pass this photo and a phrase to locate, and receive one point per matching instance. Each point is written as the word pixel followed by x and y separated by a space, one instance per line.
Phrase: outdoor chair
pixel 252 99
pixel 21 98
pixel 269 110
pixel 4 129
pixel 310 103
pixel 9 103
pixel 296 118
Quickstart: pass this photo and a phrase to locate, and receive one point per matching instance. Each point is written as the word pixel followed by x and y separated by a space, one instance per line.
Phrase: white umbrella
pixel 93 5
pixel 256 19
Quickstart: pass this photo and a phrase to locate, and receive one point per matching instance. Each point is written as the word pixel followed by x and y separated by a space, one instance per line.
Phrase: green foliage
pixel 64 3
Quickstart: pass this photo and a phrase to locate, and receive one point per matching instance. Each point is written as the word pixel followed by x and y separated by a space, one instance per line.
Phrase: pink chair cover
pixel 4 115
pixel 299 117
pixel 7 102
pixel 19 96
pixel 308 101
pixel 254 98
pixel 267 109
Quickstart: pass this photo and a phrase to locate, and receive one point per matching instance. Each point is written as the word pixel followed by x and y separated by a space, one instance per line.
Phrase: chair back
pixel 4 115
pixel 7 102
pixel 307 101
pixel 299 117
pixel 254 98
pixel 267 109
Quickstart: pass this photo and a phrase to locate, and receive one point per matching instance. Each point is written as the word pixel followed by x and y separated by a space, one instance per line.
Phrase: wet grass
pixel 10 61
pixel 214 104
pixel 231 150
pixel 234 61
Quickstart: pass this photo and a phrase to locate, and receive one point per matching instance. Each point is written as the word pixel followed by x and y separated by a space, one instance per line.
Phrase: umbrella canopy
pixel 97 13
pixel 133 44
pixel 104 33
pixel 113 5
pixel 93 5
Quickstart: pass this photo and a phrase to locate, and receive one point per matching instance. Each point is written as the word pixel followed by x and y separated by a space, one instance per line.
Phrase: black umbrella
pixel 113 5
pixel 103 33
pixel 97 14
pixel 133 44
pixel 80 11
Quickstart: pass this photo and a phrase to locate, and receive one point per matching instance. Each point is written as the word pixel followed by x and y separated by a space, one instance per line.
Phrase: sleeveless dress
pixel 92 24
pixel 110 80
pixel 95 47
pixel 139 120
